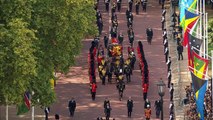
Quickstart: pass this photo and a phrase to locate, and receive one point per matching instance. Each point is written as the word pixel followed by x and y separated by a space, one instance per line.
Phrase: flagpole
pixel 33 108
pixel 33 112
pixel 6 109
pixel 212 81
pixel 6 112
pixel 207 41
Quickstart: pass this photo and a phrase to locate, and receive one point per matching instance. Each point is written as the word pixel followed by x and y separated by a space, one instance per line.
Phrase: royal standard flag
pixel 200 65
pixel 199 86
pixel 188 5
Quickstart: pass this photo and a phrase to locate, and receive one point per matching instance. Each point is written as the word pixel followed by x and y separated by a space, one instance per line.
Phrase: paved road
pixel 76 82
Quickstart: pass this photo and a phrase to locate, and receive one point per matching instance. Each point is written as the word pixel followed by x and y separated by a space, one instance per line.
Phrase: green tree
pixel 40 37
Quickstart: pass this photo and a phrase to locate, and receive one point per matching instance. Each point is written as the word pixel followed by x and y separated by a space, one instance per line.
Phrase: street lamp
pixel 161 86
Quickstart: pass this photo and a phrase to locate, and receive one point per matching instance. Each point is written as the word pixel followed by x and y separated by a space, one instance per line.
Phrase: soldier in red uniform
pixel 93 90
pixel 145 90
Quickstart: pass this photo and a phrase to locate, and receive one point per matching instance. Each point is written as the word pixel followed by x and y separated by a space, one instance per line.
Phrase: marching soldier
pixel 107 5
pixel 131 37
pixel 113 32
pixel 103 75
pixel 130 5
pixel 113 7
pixel 148 113
pixel 137 6
pixel 121 38
pixel 143 4
pixel 93 90
pixel 106 39
pixel 119 5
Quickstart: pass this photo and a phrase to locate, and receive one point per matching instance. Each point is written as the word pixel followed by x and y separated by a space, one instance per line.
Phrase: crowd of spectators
pixel 191 108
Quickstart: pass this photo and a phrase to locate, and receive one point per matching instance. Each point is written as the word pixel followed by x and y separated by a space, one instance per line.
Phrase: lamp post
pixel 161 86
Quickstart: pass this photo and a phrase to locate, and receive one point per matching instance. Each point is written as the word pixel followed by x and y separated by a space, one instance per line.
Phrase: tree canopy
pixel 38 38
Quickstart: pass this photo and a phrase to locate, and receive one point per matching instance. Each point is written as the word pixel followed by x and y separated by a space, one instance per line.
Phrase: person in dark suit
pixel 129 106
pixel 157 108
pixel 72 106
pixel 180 51
pixel 120 38
pixel 57 116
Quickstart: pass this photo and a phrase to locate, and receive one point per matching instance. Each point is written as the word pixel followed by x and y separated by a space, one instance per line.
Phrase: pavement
pixel 180 74
pixel 76 82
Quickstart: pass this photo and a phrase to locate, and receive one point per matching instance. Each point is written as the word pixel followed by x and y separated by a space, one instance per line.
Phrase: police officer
pixel 129 106
pixel 137 4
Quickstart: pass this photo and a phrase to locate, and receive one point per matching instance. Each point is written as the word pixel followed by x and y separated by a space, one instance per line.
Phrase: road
pixel 76 82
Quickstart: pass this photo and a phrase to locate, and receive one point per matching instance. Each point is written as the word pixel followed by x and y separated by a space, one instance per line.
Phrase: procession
pixel 108 60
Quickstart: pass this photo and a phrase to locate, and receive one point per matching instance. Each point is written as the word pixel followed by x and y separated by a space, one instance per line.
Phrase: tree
pixel 40 37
